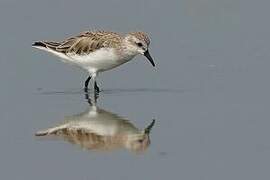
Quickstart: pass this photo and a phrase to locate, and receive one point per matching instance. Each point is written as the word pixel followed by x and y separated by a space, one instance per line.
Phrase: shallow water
pixel 209 94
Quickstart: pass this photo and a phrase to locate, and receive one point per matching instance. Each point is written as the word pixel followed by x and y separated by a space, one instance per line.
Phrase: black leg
pixel 86 83
pixel 96 87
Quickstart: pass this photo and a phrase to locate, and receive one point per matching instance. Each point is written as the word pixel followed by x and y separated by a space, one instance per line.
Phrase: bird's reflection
pixel 98 129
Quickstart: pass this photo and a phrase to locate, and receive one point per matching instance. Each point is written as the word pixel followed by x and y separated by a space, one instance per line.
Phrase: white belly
pixel 100 60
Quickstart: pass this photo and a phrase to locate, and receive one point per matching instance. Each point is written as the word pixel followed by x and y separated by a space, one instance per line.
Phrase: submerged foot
pixel 97 90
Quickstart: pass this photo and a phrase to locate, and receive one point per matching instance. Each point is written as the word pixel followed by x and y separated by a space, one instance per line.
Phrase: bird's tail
pixel 46 45
pixel 39 44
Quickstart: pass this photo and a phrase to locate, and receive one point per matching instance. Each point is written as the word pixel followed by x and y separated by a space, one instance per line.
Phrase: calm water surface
pixel 209 94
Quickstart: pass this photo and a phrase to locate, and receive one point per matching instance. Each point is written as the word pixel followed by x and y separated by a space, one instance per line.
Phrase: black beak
pixel 148 56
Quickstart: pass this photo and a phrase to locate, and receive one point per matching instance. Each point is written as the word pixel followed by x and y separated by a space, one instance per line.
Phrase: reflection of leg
pixel 86 83
pixel 96 96
pixel 88 99
pixel 96 87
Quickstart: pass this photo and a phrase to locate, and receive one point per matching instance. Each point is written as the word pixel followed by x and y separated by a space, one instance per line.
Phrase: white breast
pixel 99 60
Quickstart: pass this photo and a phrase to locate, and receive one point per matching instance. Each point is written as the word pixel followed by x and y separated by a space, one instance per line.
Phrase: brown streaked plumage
pixel 142 36
pixel 98 51
pixel 85 42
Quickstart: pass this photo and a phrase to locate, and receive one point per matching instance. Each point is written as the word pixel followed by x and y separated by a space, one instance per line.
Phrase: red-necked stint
pixel 98 51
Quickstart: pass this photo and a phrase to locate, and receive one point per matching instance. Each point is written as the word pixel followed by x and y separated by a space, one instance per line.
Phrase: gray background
pixel 209 92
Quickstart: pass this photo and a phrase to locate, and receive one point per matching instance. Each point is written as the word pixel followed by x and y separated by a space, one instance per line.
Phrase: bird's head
pixel 138 43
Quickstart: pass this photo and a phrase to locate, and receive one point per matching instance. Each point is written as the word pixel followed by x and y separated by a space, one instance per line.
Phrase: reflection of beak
pixel 146 54
pixel 148 128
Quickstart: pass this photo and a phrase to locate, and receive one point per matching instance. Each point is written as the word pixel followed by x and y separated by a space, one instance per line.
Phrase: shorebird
pixel 98 51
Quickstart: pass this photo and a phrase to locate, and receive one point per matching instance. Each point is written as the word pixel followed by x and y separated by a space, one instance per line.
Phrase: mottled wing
pixel 85 43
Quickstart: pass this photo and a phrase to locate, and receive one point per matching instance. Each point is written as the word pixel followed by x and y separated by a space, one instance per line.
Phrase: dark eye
pixel 139 44
pixel 140 140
